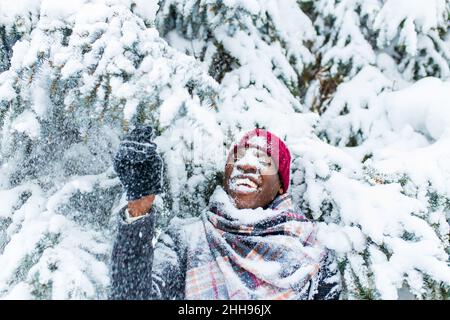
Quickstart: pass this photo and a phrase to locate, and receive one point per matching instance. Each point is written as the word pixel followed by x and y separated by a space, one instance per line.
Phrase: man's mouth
pixel 245 184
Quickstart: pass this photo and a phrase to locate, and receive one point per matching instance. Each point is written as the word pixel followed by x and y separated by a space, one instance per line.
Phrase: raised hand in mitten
pixel 138 165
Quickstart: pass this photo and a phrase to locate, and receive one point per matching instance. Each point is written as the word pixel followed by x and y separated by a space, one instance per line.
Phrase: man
pixel 248 244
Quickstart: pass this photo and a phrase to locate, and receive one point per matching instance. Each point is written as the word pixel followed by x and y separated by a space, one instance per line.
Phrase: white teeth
pixel 244 185
pixel 246 181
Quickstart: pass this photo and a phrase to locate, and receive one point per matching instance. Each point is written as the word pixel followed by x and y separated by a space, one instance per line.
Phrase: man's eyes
pixel 262 158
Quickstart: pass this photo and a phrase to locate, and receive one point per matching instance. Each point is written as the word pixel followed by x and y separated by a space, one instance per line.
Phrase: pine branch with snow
pixel 77 79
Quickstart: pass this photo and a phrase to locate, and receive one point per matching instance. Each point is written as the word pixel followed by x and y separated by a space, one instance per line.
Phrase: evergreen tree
pixel 78 78
pixel 370 54
pixel 256 50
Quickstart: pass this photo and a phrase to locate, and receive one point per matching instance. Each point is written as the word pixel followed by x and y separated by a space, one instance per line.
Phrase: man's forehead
pixel 258 142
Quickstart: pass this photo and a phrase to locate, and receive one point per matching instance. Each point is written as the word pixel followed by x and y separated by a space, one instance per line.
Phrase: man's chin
pixel 244 199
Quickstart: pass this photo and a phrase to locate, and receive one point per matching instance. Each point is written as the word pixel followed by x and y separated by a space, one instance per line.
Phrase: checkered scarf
pixel 253 254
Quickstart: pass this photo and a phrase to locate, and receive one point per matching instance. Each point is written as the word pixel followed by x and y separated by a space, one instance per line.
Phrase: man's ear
pixel 281 191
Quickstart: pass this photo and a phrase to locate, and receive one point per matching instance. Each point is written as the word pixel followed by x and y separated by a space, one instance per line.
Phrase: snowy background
pixel 359 90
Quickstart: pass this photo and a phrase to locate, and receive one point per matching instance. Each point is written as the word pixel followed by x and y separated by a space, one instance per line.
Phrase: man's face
pixel 251 178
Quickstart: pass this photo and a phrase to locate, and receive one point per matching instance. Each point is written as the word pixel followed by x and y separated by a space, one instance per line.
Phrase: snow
pixel 130 109
pixel 28 124
pixel 171 106
pixel 10 10
pixel 20 50
pixel 360 206
pixel 146 9
pixel 54 10
pixel 20 292
pixel 8 199
pixel 251 6
pixel 426 102
pixel 416 14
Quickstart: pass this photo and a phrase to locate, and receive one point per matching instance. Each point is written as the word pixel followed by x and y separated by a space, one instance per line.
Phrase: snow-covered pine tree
pixel 77 75
pixel 15 24
pixel 370 54
pixel 400 37
pixel 377 222
pixel 416 35
pixel 257 51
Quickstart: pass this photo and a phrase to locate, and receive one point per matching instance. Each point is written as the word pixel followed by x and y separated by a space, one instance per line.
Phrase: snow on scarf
pixel 254 253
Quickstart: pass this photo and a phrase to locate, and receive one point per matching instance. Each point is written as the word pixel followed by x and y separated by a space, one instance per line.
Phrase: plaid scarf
pixel 253 253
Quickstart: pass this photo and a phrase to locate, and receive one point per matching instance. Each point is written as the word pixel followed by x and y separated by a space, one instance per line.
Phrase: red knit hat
pixel 275 147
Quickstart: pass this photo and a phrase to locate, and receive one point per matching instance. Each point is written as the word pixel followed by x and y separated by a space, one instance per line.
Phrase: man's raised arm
pixel 139 168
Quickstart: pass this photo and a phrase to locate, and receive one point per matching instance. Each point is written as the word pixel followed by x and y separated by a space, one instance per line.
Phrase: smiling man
pixel 249 243
pixel 257 170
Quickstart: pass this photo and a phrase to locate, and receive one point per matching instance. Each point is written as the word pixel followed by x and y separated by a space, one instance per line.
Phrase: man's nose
pixel 247 168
